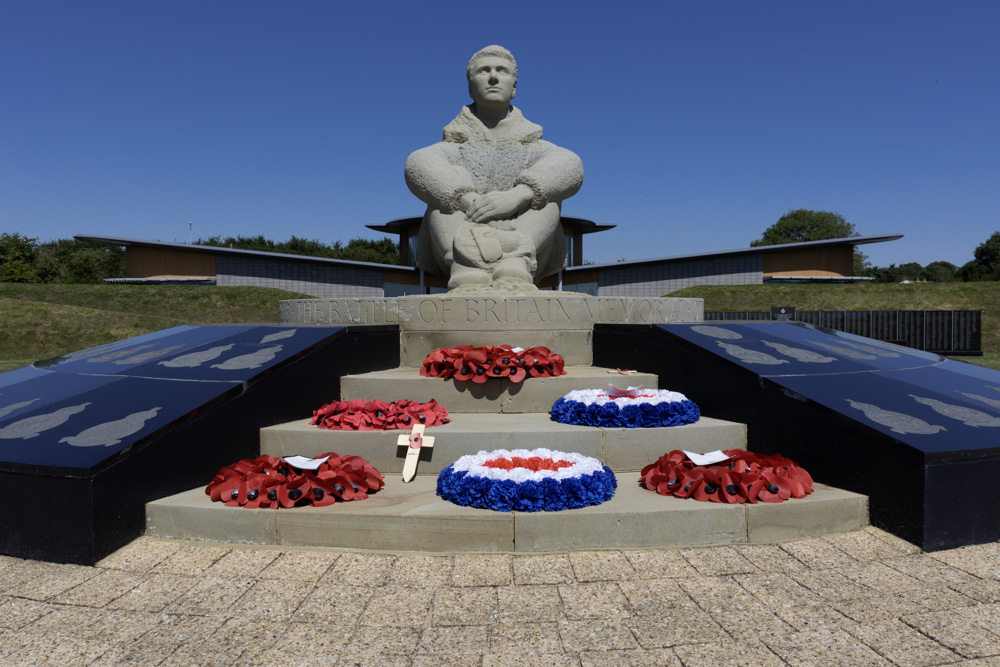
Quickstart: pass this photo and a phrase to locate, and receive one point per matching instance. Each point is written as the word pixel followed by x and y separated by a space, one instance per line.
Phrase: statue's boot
pixel 469 277
pixel 489 243
pixel 477 246
pixel 515 271
pixel 468 268
pixel 512 274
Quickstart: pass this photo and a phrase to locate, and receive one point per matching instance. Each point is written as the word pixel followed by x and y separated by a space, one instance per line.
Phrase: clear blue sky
pixel 699 123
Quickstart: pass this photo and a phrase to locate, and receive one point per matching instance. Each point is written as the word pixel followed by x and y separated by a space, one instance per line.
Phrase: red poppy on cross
pixel 414 442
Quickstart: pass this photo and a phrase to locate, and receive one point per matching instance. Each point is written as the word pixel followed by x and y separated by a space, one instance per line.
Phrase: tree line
pixel 806 225
pixel 382 251
pixel 24 259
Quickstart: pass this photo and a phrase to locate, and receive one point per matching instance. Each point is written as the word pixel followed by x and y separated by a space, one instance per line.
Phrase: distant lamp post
pixel 190 232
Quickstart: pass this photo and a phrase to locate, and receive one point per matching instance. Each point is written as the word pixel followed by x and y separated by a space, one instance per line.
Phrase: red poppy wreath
pixel 270 482
pixel 479 364
pixel 362 415
pixel 743 477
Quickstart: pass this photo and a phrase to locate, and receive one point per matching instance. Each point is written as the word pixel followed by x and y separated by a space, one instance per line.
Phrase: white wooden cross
pixel 414 442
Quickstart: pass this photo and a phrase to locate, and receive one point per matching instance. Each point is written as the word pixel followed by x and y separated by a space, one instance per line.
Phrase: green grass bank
pixel 41 321
pixel 916 296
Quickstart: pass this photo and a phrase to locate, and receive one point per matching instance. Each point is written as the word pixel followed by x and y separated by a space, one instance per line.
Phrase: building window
pixel 414 243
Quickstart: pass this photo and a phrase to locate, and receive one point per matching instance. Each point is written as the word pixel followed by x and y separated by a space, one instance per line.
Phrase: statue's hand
pixel 466 201
pixel 500 205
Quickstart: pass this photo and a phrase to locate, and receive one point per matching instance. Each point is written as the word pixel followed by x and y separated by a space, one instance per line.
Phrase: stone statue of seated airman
pixel 493 189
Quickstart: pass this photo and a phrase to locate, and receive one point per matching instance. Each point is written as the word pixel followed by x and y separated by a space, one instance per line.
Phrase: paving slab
pixel 664 606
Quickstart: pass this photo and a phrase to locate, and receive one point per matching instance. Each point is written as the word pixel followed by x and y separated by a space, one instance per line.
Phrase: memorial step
pixel 495 395
pixel 621 449
pixel 411 517
pixel 573 345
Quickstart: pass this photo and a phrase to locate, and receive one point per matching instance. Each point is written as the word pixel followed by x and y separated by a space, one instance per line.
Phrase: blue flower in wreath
pixel 555 481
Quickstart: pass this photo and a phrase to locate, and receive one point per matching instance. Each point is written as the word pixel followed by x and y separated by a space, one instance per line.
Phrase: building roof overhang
pixel 114 240
pixel 782 247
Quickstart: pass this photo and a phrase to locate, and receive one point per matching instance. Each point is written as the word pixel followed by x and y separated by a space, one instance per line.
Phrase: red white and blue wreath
pixel 625 408
pixel 537 480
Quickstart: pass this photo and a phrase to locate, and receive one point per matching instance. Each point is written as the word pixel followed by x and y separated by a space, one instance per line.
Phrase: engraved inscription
pixel 118 354
pixel 798 353
pixel 427 312
pixel 716 332
pixel 992 402
pixel 146 356
pixel 28 428
pixel 870 349
pixel 492 311
pixel 270 338
pixel 6 410
pixel 252 360
pixel 847 352
pixel 968 416
pixel 196 358
pixel 750 356
pixel 111 433
pixel 897 422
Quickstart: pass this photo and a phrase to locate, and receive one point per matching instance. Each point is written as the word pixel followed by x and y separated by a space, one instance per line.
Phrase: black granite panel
pixel 99 440
pixel 885 325
pixel 38 390
pixel 755 347
pixel 904 427
pixel 987 375
pixel 116 358
pixel 968 330
pixel 911 328
pixel 847 347
pixel 92 426
pixel 19 375
pixel 922 419
pixel 962 505
pixel 840 451
pixel 241 356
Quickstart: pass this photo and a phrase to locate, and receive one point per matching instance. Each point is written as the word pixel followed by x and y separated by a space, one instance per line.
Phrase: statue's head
pixel 493 50
pixel 496 57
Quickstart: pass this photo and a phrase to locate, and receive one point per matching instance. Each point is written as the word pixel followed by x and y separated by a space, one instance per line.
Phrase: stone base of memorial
pixel 558 320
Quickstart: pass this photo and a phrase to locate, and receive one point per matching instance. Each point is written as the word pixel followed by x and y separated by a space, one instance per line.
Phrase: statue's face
pixel 492 81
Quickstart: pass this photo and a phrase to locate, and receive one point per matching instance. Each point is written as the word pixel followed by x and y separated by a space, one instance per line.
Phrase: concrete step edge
pixel 410 517
pixel 495 395
pixel 468 433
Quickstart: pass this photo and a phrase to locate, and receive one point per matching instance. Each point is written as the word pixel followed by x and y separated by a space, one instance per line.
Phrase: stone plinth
pixel 529 313
pixel 561 322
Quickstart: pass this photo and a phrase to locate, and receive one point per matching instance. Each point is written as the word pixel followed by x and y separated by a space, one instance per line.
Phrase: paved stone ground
pixel 861 598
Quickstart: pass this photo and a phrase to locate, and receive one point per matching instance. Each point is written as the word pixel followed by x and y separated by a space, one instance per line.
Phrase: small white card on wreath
pixel 304 462
pixel 707 458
